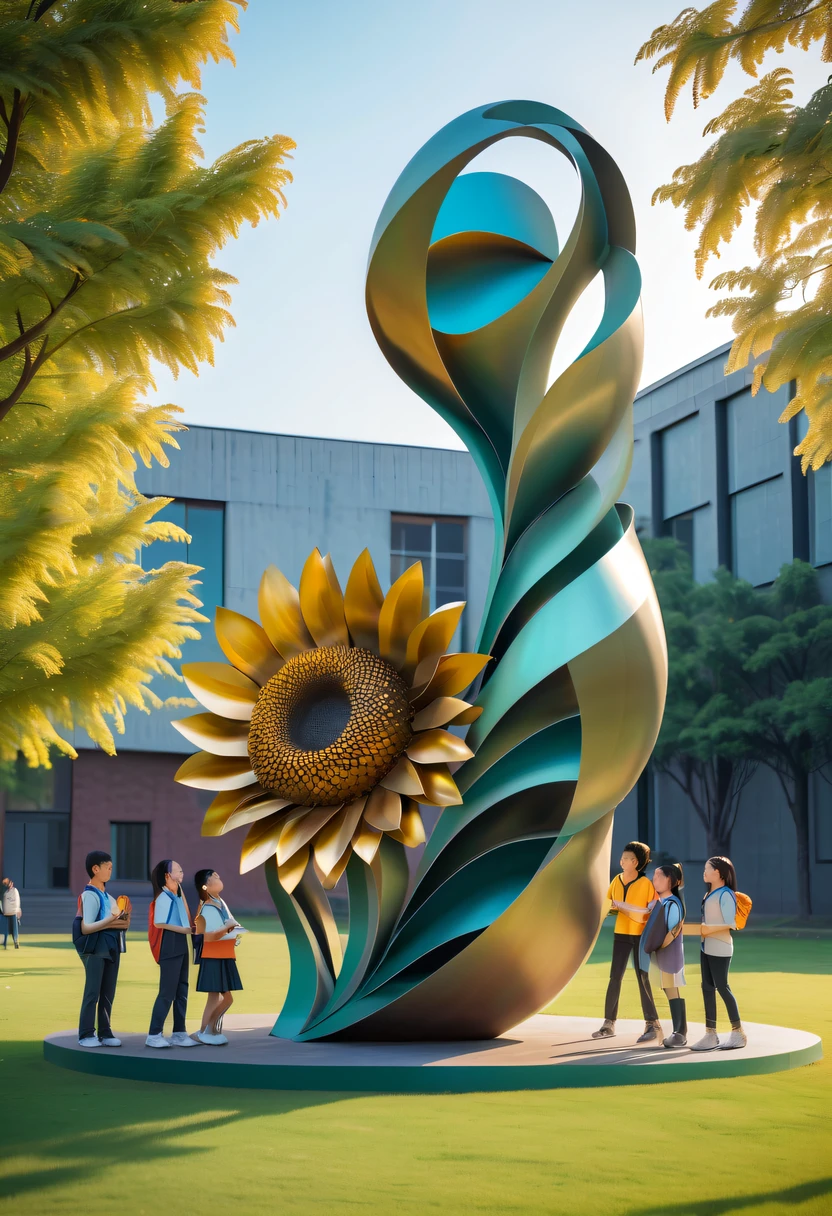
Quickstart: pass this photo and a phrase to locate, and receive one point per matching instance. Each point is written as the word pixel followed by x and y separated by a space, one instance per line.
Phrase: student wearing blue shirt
pixel 719 917
pixel 101 917
pixel 171 915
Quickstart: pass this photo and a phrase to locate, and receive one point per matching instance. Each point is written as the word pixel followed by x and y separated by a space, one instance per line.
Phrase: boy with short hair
pixel 101 915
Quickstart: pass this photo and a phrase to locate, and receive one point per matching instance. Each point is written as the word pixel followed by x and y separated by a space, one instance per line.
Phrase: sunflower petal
pixel 432 636
pixel 205 772
pixel 439 786
pixel 299 829
pixel 330 880
pixel 292 871
pixel 222 689
pixel 246 644
pixel 219 736
pixel 336 836
pixel 383 809
pixel 279 606
pixel 365 842
pixel 260 842
pixel 362 603
pixel 255 809
pixel 223 806
pixel 467 716
pixel 439 713
pixel 322 603
pixel 453 674
pixel 412 830
pixel 438 747
pixel 402 778
pixel 400 613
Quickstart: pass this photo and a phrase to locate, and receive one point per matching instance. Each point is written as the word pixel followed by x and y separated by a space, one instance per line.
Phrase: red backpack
pixel 154 931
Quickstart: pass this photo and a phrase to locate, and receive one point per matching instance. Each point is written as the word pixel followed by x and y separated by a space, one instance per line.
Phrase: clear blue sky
pixel 360 86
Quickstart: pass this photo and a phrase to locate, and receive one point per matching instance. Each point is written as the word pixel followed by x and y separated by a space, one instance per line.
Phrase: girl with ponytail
pixel 662 944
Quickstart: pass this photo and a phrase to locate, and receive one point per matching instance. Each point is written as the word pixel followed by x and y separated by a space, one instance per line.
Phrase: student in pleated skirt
pixel 218 974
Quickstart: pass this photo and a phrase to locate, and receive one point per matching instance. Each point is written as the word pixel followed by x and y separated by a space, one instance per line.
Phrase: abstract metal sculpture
pixel 467 293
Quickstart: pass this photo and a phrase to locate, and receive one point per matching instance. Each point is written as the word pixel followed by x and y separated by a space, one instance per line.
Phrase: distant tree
pixel 704 697
pixel 108 231
pixel 774 157
pixel 784 656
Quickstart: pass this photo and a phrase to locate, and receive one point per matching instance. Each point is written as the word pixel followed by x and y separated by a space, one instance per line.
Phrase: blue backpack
pixel 86 943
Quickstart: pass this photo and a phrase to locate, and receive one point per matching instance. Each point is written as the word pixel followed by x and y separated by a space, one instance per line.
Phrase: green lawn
pixel 77 1144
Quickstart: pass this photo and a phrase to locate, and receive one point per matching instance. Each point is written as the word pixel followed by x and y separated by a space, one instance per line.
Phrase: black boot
pixel 680 1023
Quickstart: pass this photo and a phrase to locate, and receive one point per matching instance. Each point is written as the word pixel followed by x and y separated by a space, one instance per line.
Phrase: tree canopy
pixel 109 227
pixel 773 158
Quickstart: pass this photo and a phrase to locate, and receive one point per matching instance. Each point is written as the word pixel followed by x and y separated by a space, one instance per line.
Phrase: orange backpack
pixel 743 909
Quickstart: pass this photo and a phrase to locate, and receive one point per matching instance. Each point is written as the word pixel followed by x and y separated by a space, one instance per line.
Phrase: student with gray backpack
pixel 98 936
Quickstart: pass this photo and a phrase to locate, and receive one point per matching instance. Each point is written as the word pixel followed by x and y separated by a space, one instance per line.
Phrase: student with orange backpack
pixel 218 974
pixel 724 908
pixel 168 930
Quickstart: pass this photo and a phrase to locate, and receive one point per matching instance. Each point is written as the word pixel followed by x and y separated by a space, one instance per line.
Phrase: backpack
pixel 155 932
pixel 86 943
pixel 743 909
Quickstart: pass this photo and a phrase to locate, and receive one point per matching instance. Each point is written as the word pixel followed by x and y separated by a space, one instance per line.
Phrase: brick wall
pixel 139 786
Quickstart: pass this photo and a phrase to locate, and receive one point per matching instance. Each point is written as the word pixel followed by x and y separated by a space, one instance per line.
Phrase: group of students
pixel 649 928
pixel 99 935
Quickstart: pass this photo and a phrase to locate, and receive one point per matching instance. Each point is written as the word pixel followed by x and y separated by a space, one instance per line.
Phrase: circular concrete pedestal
pixel 544 1052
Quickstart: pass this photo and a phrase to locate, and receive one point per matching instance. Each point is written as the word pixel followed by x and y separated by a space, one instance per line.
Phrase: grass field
pixel 75 1144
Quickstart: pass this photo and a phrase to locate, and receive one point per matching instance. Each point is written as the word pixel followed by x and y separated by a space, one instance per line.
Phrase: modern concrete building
pixel 711 466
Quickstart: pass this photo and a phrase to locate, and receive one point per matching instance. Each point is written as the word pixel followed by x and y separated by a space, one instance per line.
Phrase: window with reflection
pixel 439 543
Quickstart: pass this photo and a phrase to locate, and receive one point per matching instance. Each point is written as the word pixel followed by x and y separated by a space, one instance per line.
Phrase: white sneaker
pixel 89 1041
pixel 737 1038
pixel 156 1040
pixel 708 1042
pixel 181 1038
pixel 112 1041
pixel 211 1040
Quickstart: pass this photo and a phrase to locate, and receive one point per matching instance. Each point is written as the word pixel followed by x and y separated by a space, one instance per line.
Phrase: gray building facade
pixel 713 467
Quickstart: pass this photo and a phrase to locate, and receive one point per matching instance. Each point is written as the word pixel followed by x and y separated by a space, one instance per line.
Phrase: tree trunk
pixel 719 843
pixel 799 807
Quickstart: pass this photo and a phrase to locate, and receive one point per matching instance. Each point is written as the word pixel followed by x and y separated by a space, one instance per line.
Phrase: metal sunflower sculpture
pixel 326 728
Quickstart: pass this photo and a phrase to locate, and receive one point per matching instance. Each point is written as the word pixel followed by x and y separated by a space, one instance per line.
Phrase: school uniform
pixel 101 966
pixel 640 892
pixel 218 967
pixel 170 909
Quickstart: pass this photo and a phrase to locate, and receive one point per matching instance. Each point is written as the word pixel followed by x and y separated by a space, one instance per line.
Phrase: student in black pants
pixel 171 915
pixel 102 919
pixel 631 893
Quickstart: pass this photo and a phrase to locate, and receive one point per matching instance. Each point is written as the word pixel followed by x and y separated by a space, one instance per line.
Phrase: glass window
pixel 439 544
pixel 761 539
pixel 820 515
pixel 130 849
pixel 681 529
pixel 682 468
pixel 757 442
pixel 205 523
pixel 39 789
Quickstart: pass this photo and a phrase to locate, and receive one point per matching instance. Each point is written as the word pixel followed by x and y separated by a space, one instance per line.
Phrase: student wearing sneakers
pixel 100 916
pixel 719 917
pixel 218 974
pixel 662 945
pixel 633 888
pixel 171 915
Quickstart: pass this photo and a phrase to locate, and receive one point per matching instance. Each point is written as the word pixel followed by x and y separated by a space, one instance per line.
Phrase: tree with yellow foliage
pixel 775 157
pixel 109 227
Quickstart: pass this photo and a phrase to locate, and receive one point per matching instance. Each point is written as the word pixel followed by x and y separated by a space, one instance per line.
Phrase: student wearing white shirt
pixel 719 917
pixel 171 915
pixel 218 974
pixel 100 915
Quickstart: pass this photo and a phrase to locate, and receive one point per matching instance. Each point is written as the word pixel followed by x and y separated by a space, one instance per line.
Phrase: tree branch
pixel 30 369
pixel 13 125
pixel 37 331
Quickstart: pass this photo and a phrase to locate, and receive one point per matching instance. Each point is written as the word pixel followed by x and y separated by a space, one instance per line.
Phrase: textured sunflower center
pixel 328 726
